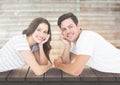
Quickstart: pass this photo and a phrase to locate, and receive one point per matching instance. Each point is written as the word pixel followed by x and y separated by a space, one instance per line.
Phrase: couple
pixel 32 47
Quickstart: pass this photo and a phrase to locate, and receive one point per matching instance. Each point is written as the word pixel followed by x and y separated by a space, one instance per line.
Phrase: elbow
pixel 66 62
pixel 37 73
pixel 76 73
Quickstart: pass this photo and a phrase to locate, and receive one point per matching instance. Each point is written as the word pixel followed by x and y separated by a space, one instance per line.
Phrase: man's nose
pixel 68 30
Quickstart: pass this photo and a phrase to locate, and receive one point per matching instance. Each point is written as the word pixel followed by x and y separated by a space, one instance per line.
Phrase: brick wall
pixel 102 16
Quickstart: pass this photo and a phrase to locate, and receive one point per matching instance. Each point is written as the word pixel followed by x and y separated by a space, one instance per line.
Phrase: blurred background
pixel 102 16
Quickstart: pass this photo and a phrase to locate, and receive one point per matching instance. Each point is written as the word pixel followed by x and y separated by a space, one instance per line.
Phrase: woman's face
pixel 40 33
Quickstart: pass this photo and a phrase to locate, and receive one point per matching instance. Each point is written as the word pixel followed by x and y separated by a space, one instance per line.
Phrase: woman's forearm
pixel 43 59
pixel 43 69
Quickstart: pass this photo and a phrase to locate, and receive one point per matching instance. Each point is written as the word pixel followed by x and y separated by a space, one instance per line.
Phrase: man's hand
pixel 66 42
pixel 57 62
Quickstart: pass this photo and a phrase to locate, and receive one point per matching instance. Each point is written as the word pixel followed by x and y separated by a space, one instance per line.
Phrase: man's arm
pixel 74 68
pixel 66 54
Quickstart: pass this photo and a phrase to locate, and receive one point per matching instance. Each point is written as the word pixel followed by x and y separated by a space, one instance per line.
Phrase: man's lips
pixel 69 35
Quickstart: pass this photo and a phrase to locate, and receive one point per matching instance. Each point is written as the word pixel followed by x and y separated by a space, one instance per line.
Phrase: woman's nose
pixel 41 34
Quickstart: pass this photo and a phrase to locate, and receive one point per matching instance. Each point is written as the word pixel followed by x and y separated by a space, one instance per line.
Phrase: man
pixel 89 48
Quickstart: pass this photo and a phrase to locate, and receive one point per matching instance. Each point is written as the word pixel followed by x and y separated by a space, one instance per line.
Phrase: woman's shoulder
pixel 19 36
pixel 21 42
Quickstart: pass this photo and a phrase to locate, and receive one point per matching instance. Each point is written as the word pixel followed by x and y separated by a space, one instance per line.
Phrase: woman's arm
pixel 43 58
pixel 31 61
pixel 40 56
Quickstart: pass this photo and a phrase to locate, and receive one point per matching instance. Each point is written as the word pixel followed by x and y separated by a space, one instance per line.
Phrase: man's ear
pixel 78 26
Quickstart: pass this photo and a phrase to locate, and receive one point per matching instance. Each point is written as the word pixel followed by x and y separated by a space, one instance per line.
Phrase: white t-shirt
pixel 103 55
pixel 9 56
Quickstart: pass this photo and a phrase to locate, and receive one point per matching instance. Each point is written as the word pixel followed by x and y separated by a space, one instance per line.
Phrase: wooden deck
pixel 24 76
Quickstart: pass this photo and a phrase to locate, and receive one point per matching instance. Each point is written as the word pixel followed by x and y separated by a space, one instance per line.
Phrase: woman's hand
pixel 57 62
pixel 45 40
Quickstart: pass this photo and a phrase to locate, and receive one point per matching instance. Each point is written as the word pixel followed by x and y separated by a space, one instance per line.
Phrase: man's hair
pixel 66 16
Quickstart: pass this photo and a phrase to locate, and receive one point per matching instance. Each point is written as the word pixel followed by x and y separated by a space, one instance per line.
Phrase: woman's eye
pixel 45 32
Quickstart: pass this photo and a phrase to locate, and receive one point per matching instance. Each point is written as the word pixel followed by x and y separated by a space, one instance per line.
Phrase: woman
pixel 32 48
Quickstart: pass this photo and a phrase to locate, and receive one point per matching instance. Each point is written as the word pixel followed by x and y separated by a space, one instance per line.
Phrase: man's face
pixel 70 30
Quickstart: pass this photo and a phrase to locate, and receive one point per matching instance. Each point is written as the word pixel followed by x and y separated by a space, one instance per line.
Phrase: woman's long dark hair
pixel 33 26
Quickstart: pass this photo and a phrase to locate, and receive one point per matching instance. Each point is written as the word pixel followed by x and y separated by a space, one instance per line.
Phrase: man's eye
pixel 38 29
pixel 70 27
pixel 63 29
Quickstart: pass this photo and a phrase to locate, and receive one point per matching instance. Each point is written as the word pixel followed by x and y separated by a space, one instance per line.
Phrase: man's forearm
pixel 67 68
pixel 66 55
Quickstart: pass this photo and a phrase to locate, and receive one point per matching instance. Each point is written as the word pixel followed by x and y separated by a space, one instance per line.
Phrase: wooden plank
pixel 32 77
pixel 104 76
pixel 68 77
pixel 3 75
pixel 18 74
pixel 117 76
pixel 88 75
pixel 53 75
